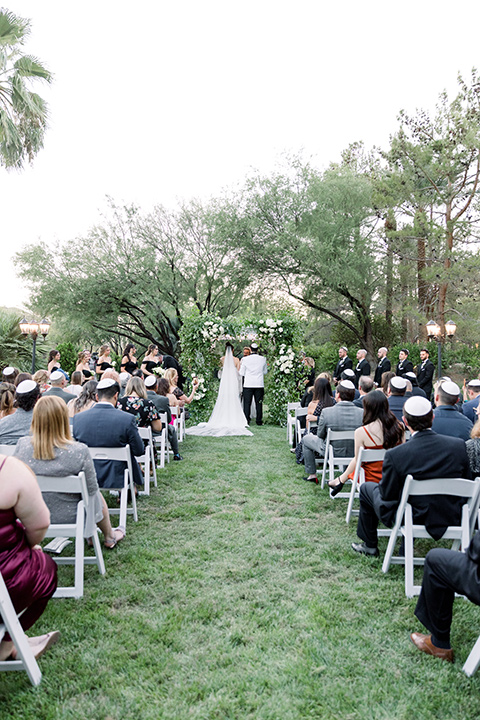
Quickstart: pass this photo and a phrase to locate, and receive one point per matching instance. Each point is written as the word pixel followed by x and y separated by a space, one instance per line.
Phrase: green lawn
pixel 237 596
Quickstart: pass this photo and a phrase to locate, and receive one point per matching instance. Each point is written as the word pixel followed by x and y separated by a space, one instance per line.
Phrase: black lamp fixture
pixel 33 329
pixel 434 332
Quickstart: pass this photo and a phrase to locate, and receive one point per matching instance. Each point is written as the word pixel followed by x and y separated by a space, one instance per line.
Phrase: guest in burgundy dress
pixel 29 574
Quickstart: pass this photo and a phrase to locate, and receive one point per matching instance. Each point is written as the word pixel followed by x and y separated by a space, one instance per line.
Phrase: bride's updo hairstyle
pixel 228 345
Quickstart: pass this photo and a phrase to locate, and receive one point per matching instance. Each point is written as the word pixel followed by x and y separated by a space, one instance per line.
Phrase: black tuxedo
pixel 342 365
pixel 170 362
pixel 363 368
pixel 425 376
pixel 404 367
pixel 425 456
pixel 384 365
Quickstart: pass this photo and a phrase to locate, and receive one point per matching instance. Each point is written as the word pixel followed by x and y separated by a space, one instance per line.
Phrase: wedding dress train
pixel 227 417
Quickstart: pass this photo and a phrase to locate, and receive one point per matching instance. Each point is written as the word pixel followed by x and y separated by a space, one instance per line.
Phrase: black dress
pixel 104 366
pixel 150 365
pixel 130 366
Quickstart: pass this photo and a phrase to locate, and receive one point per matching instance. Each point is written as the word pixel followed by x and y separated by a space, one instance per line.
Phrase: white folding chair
pixel 460 534
pixel 473 660
pixel 291 420
pixel 335 461
pixel 299 431
pixel 25 658
pixel 365 456
pixel 73 484
pixel 178 416
pixel 7 449
pixel 161 441
pixel 147 460
pixel 121 454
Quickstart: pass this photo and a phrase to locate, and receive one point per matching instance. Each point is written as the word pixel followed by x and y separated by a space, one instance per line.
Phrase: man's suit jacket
pixel 396 403
pixel 362 368
pixel 448 420
pixel 342 416
pixel 170 362
pixel 468 409
pixel 342 365
pixel 425 456
pixel 105 426
pixel 58 392
pixel 425 376
pixel 404 367
pixel 384 365
pixel 253 368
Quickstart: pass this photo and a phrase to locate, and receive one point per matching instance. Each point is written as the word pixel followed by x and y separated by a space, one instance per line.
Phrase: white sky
pixel 155 101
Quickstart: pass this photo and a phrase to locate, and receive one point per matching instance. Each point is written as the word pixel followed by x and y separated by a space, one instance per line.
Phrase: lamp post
pixel 434 332
pixel 33 329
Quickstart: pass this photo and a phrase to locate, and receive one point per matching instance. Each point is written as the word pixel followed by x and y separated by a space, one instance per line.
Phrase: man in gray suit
pixel 342 416
pixel 58 381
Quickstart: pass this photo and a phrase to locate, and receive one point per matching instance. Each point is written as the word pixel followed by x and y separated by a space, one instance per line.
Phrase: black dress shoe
pixel 335 489
pixel 311 479
pixel 177 457
pixel 365 550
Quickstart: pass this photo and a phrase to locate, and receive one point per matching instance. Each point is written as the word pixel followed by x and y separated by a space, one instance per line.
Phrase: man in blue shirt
pixel 447 419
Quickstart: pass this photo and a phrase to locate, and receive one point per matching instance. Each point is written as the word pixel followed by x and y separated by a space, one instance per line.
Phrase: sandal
pixel 112 542
pixel 335 489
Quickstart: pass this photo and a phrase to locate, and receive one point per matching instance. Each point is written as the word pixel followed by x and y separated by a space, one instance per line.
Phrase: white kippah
pixel 399 383
pixel 347 384
pixel 349 372
pixel 450 388
pixel 56 375
pixel 26 386
pixel 411 374
pixel 124 378
pixel 254 346
pixel 104 384
pixel 9 370
pixel 150 381
pixel 417 406
pixel 472 383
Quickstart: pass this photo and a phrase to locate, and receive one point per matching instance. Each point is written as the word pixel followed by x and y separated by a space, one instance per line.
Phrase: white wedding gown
pixel 227 417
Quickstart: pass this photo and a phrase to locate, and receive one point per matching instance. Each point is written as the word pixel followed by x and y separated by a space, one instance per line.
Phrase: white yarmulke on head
pixel 411 375
pixel 450 388
pixel 56 375
pixel 347 384
pixel 254 346
pixel 26 386
pixel 475 384
pixel 150 381
pixel 104 384
pixel 349 372
pixel 417 406
pixel 399 383
pixel 9 370
pixel 124 377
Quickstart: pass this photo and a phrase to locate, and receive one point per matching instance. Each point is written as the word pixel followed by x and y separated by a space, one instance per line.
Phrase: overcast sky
pixel 157 101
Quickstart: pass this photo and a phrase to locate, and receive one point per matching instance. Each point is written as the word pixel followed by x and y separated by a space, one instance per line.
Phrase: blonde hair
pixel 111 373
pixel 102 349
pixel 169 375
pixel 475 432
pixel 81 357
pixel 50 427
pixel 136 385
pixel 41 376
pixel 325 375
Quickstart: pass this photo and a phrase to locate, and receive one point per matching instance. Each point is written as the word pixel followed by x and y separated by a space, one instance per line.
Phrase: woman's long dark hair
pixel 88 394
pixel 375 407
pixel 322 392
pixel 128 347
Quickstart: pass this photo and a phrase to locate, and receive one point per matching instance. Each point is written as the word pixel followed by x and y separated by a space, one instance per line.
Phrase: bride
pixel 227 417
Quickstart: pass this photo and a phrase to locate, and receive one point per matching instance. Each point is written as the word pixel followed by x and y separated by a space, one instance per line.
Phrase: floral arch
pixel 203 339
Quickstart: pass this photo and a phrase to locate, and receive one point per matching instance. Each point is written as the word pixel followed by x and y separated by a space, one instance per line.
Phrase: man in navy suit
pixel 447 419
pixel 469 409
pixel 425 456
pixel 105 426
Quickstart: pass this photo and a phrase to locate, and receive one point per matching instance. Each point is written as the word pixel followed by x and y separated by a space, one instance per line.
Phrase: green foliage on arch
pixel 203 338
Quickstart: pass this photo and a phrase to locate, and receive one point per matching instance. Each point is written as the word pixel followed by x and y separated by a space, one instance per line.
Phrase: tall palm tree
pixel 23 113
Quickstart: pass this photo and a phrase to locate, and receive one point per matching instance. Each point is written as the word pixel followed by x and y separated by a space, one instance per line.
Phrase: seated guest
pixel 83 364
pixel 7 399
pixel 172 376
pixel 342 416
pixel 447 419
pixel 122 380
pixel 425 456
pixel 363 366
pixel 50 450
pixel 473 448
pixel 9 374
pixel 105 426
pixel 150 361
pixel 385 381
pixel 471 394
pixel 157 389
pixel 129 359
pixel 445 573
pixel 86 399
pixel 365 385
pixel 412 386
pixel 380 430
pixel 322 398
pixel 136 402
pixel 384 365
pixel 21 377
pixel 41 378
pixel 75 388
pixel 104 361
pixel 17 425
pixel 404 365
pixel 58 382
pixel 396 396
pixel 29 574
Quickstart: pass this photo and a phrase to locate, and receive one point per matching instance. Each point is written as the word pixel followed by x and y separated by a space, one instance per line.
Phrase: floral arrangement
pixel 270 328
pixel 159 371
pixel 285 359
pixel 201 390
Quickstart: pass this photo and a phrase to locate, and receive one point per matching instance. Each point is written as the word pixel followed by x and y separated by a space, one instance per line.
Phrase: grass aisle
pixel 237 596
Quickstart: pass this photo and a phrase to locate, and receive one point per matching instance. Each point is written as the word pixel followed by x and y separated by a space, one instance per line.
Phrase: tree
pixel 15 349
pixel 23 113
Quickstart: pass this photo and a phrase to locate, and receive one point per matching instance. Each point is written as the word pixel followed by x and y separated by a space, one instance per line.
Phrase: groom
pixel 253 368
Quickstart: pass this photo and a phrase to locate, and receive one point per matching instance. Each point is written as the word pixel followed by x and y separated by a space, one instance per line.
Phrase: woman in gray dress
pixel 50 450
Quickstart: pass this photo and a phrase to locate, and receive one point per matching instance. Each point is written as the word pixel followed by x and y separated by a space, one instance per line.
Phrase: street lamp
pixel 434 332
pixel 33 329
